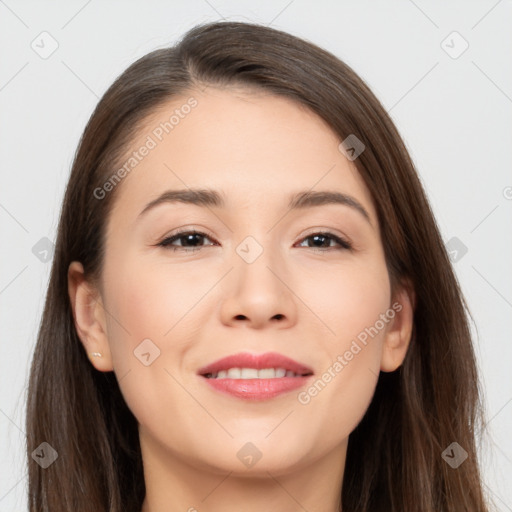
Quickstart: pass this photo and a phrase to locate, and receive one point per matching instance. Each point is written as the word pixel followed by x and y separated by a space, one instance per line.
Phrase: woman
pixel 309 350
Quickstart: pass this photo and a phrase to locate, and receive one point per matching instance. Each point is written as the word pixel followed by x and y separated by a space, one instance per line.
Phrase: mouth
pixel 255 377
pixel 244 365
pixel 253 373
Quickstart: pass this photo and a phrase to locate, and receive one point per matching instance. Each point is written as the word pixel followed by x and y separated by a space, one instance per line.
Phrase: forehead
pixel 254 146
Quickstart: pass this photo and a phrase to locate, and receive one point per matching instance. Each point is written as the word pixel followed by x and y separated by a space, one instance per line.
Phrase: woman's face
pixel 262 277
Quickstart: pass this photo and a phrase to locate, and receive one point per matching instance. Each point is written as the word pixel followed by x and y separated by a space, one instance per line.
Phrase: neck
pixel 175 484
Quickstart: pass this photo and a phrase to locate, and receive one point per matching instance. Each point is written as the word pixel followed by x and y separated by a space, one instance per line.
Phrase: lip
pixel 256 389
pixel 257 361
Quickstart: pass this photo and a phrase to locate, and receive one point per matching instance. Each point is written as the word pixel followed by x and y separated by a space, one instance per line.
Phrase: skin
pixel 199 306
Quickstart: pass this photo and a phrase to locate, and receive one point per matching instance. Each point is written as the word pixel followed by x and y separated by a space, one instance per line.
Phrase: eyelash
pixel 344 244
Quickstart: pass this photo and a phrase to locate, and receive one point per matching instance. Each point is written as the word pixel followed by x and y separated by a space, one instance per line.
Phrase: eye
pixel 195 237
pixel 186 237
pixel 321 238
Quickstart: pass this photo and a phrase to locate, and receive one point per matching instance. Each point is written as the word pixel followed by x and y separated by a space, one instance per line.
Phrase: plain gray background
pixel 451 104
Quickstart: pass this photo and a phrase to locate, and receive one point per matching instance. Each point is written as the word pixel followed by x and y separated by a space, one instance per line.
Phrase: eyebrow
pixel 299 200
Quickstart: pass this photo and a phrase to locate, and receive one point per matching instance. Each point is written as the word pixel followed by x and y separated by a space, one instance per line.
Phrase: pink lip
pixel 256 389
pixel 257 361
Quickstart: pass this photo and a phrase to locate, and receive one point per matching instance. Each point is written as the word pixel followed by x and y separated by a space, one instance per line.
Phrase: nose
pixel 259 295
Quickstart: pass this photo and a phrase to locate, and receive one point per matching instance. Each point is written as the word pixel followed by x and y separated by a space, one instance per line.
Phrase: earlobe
pixel 398 335
pixel 89 318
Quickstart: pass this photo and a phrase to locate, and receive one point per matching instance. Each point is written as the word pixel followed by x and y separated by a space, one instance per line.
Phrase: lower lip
pixel 257 389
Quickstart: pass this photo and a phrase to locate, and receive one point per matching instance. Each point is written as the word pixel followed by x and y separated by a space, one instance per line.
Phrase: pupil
pixel 316 237
pixel 194 238
pixel 190 237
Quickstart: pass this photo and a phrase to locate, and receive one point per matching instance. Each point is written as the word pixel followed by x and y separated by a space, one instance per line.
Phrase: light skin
pixel 198 306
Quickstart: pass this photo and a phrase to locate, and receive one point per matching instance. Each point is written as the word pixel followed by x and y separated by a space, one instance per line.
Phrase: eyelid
pixel 187 230
pixel 343 242
pixel 328 231
pixel 191 229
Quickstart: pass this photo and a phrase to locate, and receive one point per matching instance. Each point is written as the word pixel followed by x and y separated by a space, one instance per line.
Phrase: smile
pixel 252 373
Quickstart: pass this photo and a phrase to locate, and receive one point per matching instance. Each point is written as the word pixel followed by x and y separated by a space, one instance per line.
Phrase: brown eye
pixel 321 239
pixel 186 238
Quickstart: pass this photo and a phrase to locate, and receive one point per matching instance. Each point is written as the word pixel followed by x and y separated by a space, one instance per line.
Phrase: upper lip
pixel 257 361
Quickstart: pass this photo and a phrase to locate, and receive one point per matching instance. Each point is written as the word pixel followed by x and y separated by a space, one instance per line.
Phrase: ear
pixel 399 331
pixel 89 317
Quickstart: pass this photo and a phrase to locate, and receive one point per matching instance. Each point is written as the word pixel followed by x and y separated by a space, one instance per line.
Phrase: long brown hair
pixel 394 458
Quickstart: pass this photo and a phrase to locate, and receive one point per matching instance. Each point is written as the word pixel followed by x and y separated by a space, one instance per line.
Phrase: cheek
pixel 352 305
pixel 157 302
pixel 149 300
pixel 349 300
pixel 149 332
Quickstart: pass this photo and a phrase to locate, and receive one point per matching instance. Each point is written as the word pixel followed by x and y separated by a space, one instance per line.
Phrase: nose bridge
pixel 259 243
pixel 257 259
pixel 257 292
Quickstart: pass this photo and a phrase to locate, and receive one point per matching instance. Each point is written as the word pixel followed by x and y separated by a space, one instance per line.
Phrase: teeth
pixel 252 373
pixel 266 373
pixel 249 373
pixel 234 373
